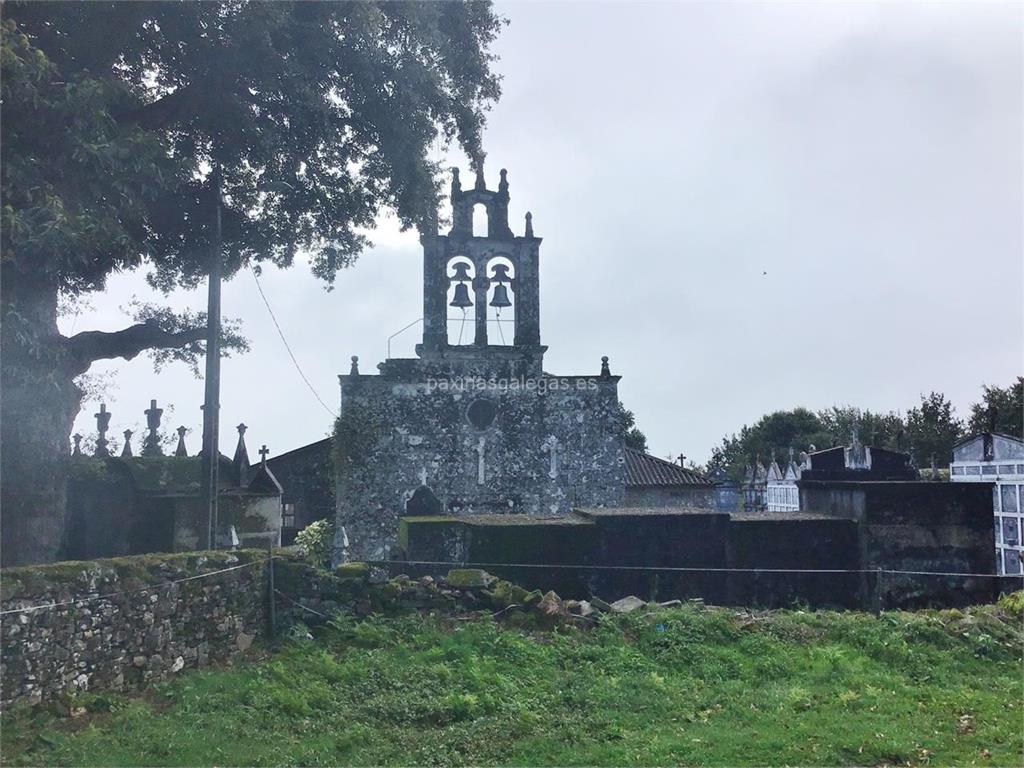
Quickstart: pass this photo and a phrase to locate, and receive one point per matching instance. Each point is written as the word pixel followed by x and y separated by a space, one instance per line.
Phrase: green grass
pixel 684 686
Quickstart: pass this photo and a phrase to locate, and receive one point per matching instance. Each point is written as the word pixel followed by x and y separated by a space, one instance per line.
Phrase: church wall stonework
pixel 537 450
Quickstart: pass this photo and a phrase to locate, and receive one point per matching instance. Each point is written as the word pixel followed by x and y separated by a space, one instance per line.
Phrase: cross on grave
pixel 102 424
pixel 151 443
pixel 553 449
pixel 480 474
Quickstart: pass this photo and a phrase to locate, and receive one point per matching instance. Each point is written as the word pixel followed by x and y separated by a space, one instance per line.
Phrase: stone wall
pixel 123 630
pixel 307 477
pixel 536 451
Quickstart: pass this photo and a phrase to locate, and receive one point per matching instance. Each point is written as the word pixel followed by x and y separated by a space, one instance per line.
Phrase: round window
pixel 481 413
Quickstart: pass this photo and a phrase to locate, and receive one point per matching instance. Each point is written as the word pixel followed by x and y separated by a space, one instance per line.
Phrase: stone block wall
pixel 510 448
pixel 123 630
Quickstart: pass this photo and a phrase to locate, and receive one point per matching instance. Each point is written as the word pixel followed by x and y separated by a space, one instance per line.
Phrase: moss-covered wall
pixel 116 623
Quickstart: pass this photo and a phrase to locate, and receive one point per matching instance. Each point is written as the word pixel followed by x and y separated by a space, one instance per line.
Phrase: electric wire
pixel 287 346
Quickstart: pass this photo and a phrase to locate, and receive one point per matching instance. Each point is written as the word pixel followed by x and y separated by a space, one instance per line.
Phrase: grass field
pixel 687 686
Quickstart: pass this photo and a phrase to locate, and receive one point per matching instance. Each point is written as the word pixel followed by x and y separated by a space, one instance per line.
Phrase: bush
pixel 315 542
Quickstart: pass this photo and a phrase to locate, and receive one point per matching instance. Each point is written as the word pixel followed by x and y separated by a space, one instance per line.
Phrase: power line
pixel 291 354
pixel 151 587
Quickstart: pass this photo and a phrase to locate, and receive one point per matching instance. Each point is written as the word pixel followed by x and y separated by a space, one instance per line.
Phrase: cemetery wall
pixel 119 623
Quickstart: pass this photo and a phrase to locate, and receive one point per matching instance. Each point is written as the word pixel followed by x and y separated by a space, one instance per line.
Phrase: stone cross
pixel 264 452
pixel 553 449
pixel 126 452
pixel 151 443
pixel 181 450
pixel 102 424
pixel 480 475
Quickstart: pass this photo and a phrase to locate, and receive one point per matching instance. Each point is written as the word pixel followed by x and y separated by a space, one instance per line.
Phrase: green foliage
pixel 932 429
pixel 632 436
pixel 1013 603
pixel 1000 410
pixel 686 686
pixel 929 428
pixel 316 541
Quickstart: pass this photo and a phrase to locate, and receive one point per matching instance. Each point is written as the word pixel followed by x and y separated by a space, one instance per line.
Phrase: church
pixel 474 426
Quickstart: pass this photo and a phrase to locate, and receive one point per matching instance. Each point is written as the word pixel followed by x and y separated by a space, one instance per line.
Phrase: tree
pixel 631 434
pixel 770 438
pixel 1000 410
pixel 882 430
pixel 118 116
pixel 932 429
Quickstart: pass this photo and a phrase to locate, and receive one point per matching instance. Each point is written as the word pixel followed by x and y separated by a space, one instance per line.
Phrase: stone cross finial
pixel 77 450
pixel 126 452
pixel 102 424
pixel 682 460
pixel 606 372
pixel 181 450
pixel 264 452
pixel 151 443
pixel 529 224
pixel 354 370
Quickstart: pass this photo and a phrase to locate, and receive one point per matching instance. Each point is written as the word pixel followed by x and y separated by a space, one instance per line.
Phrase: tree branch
pixel 164 112
pixel 89 346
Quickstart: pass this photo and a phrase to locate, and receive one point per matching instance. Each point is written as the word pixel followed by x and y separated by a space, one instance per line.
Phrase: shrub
pixel 315 542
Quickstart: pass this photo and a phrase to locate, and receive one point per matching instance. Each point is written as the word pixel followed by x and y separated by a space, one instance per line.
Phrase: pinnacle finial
pixel 181 450
pixel 126 452
pixel 456 183
pixel 529 224
pixel 605 369
pixel 503 184
pixel 354 370
pixel 480 185
pixel 77 450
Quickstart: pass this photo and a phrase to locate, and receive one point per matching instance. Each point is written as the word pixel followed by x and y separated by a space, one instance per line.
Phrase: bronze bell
pixel 500 299
pixel 461 298
pixel 500 274
pixel 461 271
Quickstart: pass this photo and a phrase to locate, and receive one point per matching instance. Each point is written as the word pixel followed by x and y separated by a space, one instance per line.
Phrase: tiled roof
pixel 642 469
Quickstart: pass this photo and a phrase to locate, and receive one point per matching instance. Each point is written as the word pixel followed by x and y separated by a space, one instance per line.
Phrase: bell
pixel 461 271
pixel 500 299
pixel 500 274
pixel 461 299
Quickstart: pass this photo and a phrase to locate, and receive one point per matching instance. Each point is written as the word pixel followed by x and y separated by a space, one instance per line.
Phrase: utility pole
pixel 211 407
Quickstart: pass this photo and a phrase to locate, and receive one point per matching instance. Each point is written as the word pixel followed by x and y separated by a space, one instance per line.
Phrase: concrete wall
pixel 916 526
pixel 698 497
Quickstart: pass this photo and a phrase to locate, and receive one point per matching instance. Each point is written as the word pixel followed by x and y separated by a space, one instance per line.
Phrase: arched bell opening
pixel 460 300
pixel 480 220
pixel 501 303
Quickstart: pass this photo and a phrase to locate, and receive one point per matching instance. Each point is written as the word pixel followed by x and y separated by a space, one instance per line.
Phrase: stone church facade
pixel 475 428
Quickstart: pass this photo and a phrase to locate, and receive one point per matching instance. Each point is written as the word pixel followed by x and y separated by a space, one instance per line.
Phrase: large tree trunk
pixel 38 405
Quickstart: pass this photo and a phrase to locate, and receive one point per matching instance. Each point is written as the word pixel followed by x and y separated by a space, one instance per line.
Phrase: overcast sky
pixel 747 207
